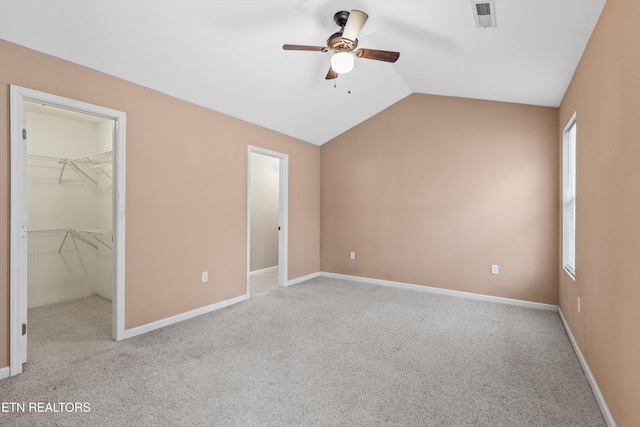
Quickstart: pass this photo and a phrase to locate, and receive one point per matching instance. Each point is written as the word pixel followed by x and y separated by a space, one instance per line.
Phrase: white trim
pixel 5 373
pixel 303 278
pixel 283 236
pixel 283 241
pixel 440 291
pixel 604 408
pixel 18 262
pixel 264 270
pixel 84 293
pixel 119 197
pixel 248 221
pixel 139 330
pixel 571 122
pixel 568 157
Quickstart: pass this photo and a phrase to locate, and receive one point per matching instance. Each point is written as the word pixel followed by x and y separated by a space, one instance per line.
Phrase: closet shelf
pixel 87 236
pixel 94 163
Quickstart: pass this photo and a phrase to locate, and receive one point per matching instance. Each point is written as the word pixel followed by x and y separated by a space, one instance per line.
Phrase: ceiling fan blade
pixel 378 55
pixel 353 26
pixel 331 74
pixel 304 47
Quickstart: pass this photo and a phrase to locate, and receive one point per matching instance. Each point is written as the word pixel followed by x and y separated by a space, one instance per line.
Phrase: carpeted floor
pixel 322 353
pixel 263 283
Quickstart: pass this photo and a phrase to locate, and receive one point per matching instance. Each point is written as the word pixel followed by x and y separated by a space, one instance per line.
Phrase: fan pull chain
pixel 335 84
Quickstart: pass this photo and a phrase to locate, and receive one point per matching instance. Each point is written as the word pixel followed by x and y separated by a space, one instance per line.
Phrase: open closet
pixel 69 205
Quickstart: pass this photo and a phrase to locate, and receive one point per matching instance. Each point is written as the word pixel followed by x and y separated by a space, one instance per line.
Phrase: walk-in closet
pixel 69 206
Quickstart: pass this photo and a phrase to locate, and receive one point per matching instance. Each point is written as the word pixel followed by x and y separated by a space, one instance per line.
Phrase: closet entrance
pixel 67 212
pixel 69 205
pixel 267 204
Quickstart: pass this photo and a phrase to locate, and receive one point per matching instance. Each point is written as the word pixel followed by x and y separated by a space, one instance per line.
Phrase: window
pixel 569 197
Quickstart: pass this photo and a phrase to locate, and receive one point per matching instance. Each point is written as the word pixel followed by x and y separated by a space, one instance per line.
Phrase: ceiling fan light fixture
pixel 343 44
pixel 342 62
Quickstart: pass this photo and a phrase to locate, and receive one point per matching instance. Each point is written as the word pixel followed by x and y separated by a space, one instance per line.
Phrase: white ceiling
pixel 227 54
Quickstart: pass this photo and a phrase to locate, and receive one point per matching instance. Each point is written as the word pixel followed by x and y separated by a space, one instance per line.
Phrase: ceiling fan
pixel 344 42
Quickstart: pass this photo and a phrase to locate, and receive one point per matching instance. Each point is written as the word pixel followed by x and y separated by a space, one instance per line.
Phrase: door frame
pixel 18 247
pixel 283 196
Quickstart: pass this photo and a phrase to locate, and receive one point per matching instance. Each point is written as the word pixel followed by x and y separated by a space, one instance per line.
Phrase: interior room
pixel 446 234
pixel 264 223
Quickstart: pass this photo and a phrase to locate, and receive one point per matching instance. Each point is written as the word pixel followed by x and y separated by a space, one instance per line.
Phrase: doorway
pixel 73 214
pixel 267 221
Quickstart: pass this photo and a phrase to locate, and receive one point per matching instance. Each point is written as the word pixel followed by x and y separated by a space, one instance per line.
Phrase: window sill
pixel 570 275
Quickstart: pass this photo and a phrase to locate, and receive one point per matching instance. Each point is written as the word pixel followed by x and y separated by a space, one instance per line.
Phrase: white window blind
pixel 569 198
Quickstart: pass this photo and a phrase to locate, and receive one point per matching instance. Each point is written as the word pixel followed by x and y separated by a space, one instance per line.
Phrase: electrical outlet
pixel 205 276
pixel 495 269
pixel 578 304
pixel 352 255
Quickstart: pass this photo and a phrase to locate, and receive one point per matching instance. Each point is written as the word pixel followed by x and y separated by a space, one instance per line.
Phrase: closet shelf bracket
pixel 74 234
pixel 75 168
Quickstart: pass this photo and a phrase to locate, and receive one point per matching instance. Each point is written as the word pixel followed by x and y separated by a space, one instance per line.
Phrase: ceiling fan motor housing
pixel 340 18
pixel 335 42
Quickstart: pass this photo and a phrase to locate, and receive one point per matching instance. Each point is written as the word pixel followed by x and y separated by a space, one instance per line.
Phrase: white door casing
pixel 18 217
pixel 283 235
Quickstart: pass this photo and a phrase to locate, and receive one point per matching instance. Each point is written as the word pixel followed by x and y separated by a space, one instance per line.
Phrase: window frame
pixel 569 181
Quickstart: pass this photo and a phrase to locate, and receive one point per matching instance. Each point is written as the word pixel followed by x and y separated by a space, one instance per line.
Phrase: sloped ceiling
pixel 227 54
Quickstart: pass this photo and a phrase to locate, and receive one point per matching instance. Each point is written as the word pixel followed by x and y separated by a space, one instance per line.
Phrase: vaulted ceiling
pixel 227 54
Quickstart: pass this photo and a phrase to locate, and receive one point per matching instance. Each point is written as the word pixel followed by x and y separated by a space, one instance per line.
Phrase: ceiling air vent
pixel 484 11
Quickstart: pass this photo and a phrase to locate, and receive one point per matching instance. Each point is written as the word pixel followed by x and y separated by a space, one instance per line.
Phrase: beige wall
pixel 605 94
pixel 434 190
pixel 186 190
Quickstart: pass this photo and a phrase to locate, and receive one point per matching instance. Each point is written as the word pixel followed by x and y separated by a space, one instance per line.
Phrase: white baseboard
pixel 264 270
pixel 62 298
pixel 604 408
pixel 128 333
pixel 303 278
pixel 5 372
pixel 440 291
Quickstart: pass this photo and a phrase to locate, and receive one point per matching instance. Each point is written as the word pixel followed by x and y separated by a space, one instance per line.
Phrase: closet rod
pixel 46 232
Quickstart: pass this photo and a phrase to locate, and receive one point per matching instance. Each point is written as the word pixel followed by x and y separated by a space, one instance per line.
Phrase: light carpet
pixel 322 353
